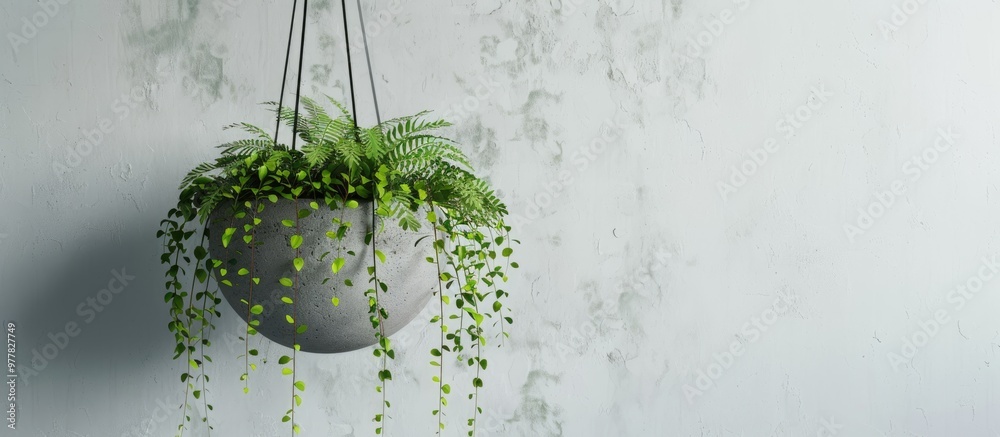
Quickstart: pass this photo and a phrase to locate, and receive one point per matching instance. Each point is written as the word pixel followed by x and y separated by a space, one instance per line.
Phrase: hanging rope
pixel 284 75
pixel 298 89
pixel 350 68
pixel 368 58
pixel 378 117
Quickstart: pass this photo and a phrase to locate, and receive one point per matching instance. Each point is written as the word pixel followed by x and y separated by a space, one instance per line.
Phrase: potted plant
pixel 335 247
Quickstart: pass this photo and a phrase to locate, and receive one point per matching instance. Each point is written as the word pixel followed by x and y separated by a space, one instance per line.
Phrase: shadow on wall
pixel 94 316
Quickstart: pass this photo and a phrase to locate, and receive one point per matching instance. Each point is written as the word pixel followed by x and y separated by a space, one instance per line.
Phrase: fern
pixel 335 150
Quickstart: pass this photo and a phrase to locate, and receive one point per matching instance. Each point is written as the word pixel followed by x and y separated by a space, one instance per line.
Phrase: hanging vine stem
pixel 477 382
pixel 205 316
pixel 182 321
pixel 250 238
pixel 298 263
pixel 498 293
pixel 173 237
pixel 189 340
pixel 439 353
pixel 469 294
pixel 384 348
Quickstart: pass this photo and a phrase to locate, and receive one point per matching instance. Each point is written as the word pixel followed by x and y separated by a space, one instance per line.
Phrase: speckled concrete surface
pixel 330 329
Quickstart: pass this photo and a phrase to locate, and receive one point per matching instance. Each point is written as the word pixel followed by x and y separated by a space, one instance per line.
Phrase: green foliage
pixel 410 174
pixel 338 159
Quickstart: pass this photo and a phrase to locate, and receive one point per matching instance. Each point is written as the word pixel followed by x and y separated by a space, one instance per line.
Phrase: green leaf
pixel 257 309
pixel 284 360
pixel 301 329
pixel 286 282
pixel 336 301
pixel 300 385
pixel 227 236
pixel 286 299
pixel 288 223
pixel 286 371
pixel 337 264
pixel 289 319
pixel 296 241
pixel 352 204
pixel 474 314
pixel 380 255
pixel 298 263
pixel 508 251
pixel 243 272
pixel 446 389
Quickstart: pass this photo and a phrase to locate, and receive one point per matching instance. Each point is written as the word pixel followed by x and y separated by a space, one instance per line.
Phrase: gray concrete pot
pixel 411 279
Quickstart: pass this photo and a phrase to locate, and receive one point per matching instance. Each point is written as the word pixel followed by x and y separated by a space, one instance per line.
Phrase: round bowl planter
pixel 331 329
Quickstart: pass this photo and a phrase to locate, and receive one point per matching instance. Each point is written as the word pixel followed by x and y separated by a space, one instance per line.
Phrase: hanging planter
pixel 335 246
pixel 347 327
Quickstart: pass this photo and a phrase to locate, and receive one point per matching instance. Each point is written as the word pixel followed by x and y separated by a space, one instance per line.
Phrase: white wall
pixel 640 270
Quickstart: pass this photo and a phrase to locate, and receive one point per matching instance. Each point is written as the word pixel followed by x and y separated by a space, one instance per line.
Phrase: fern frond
pixel 374 143
pixel 249 128
pixel 198 171
pixel 247 147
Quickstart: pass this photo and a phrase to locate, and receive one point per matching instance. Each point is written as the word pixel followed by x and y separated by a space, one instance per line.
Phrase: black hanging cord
pixel 298 90
pixel 368 58
pixel 284 76
pixel 350 68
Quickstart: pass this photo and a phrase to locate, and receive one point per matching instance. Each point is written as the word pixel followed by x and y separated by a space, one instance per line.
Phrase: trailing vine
pixel 407 174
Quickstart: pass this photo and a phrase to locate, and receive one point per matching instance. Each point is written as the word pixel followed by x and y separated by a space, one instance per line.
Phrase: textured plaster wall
pixel 739 217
